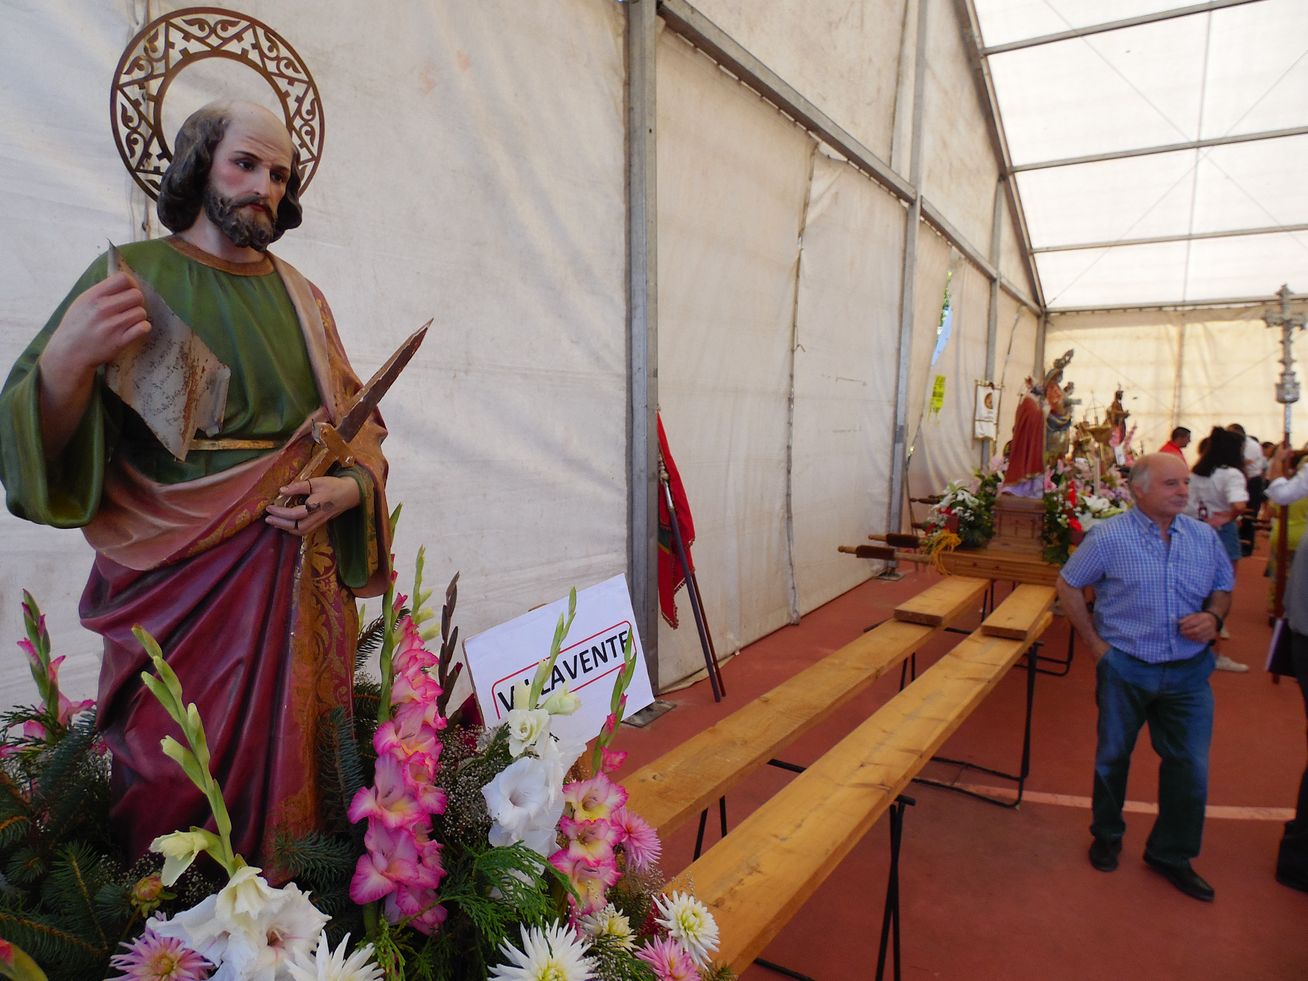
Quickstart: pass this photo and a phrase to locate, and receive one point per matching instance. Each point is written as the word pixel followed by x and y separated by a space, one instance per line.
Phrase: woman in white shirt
pixel 1218 493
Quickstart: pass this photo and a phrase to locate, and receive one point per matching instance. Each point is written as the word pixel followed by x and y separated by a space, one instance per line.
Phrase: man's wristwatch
pixel 1214 614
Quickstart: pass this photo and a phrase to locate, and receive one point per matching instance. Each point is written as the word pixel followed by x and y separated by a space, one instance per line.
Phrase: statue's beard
pixel 245 229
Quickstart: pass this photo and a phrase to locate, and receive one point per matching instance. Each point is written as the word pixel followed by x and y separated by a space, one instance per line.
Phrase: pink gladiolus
pixel 6 953
pixel 420 908
pixel 596 797
pixel 388 800
pixel 30 651
pixel 669 960
pixel 611 759
pixel 391 860
pixel 640 842
pixel 590 879
pixel 404 737
pixel 591 841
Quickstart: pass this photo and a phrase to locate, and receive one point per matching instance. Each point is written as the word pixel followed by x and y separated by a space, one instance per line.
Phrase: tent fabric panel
pixel 845 376
pixel 1223 188
pixel 843 57
pixel 959 169
pixel 944 448
pixel 1138 87
pixel 1012 254
pixel 727 252
pixel 520 257
pixel 1122 275
pixel 935 263
pixel 1015 345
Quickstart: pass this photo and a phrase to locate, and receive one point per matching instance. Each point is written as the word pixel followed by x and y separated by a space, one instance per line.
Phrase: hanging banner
pixel 588 663
pixel 985 418
pixel 938 395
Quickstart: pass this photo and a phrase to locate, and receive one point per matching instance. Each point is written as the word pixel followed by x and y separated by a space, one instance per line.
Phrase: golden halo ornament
pixel 167 45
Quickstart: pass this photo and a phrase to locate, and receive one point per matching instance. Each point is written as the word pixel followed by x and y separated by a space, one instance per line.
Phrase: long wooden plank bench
pixel 687 779
pixel 772 862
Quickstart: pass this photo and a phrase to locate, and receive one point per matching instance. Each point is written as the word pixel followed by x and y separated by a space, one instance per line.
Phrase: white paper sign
pixel 588 663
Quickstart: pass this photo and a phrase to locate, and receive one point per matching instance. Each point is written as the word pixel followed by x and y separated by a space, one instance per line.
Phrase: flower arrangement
pixel 1074 501
pixel 455 851
pixel 966 510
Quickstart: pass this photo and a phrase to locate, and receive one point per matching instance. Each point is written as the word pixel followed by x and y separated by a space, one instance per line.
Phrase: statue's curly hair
pixel 181 192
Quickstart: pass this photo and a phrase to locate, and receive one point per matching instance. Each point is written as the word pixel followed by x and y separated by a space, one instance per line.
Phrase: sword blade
pixel 367 397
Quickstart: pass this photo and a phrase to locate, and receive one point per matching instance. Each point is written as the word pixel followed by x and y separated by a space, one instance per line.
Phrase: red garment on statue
pixel 263 653
pixel 1026 454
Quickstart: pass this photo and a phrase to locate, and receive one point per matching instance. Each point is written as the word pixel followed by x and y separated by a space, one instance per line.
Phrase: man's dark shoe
pixel 1184 878
pixel 1103 854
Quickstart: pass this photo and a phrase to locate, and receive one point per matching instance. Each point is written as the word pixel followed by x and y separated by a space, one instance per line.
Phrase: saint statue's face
pixel 251 165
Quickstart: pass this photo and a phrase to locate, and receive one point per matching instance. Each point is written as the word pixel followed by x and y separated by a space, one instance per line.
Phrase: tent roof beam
pixel 1160 239
pixel 1224 301
pixel 1116 25
pixel 1271 134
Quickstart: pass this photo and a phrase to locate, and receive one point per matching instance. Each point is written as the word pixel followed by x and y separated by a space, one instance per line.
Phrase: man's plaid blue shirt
pixel 1144 586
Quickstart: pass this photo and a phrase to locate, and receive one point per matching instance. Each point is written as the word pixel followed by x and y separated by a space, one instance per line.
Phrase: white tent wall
pixel 473 170
pixel 945 449
pixel 848 318
pixel 844 57
pixel 935 261
pixel 1194 368
pixel 733 179
pixel 959 169
pixel 1014 361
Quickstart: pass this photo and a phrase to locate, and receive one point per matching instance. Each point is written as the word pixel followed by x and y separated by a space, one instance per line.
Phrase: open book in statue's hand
pixel 170 377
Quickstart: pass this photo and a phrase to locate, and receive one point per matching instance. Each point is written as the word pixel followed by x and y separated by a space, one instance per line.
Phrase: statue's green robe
pixel 259 625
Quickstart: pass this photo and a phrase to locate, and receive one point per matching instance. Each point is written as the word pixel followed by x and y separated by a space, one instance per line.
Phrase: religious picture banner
pixel 985 418
pixel 588 663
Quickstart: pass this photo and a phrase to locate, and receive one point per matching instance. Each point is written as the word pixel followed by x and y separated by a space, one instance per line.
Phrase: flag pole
pixel 692 588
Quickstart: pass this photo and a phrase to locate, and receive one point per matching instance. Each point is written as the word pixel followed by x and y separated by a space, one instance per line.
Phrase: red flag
pixel 671 575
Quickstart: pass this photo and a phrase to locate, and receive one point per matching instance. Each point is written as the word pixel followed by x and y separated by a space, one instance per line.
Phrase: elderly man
pixel 252 603
pixel 1162 586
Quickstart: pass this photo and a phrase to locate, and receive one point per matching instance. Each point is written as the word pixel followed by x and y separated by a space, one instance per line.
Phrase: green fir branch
pixel 75 878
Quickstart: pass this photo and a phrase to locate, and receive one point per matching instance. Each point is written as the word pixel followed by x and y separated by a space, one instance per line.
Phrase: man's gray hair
pixel 1142 471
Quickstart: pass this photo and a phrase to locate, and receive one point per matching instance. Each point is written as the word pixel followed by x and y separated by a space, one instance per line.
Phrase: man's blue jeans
pixel 1176 701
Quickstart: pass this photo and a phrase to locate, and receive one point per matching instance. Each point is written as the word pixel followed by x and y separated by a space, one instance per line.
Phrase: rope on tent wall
pixel 792 584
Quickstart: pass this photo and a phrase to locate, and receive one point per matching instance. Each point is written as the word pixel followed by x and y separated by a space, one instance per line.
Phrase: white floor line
pixel 1132 806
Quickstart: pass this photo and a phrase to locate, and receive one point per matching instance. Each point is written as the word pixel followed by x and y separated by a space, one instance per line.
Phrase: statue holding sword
pixel 190 407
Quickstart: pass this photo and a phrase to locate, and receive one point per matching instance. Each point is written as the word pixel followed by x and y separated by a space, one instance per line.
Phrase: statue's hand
pixel 97 326
pixel 324 499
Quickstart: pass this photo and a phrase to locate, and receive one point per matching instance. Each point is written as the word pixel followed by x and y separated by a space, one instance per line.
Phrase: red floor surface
pixel 988 892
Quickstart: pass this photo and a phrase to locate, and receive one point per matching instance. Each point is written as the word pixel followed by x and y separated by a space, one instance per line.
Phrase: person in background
pixel 1254 466
pixel 1177 444
pixel 1162 588
pixel 1292 855
pixel 1217 496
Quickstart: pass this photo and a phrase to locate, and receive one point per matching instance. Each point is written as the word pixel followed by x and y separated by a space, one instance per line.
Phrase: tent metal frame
pixel 1116 25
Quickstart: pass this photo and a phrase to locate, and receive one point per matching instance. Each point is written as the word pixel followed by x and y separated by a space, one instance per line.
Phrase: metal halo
pixel 167 45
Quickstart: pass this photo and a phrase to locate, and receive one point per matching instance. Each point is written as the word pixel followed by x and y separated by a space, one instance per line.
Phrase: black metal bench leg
pixel 890 918
pixel 1032 656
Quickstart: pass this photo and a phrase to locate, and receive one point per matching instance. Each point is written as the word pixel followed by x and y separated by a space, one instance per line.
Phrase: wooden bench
pixel 687 779
pixel 772 862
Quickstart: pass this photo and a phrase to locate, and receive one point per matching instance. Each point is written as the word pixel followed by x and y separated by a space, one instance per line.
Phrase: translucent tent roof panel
pixel 1213 189
pixel 1016 20
pixel 1175 272
pixel 1210 75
